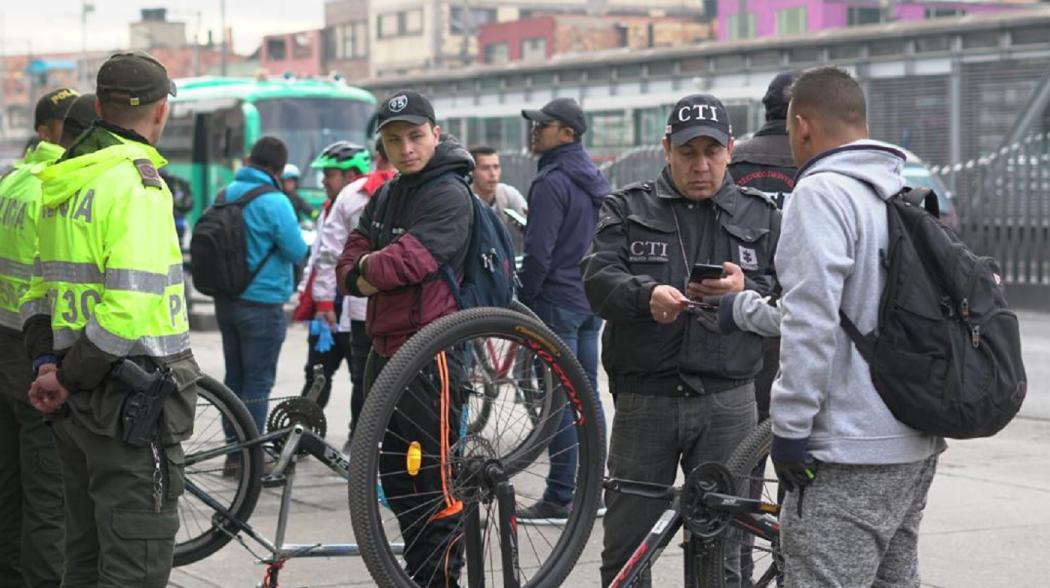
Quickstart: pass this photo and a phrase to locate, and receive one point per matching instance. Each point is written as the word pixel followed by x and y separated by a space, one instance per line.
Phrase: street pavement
pixel 984 526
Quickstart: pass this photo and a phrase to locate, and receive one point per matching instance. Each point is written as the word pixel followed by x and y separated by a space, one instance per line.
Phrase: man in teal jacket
pixel 253 325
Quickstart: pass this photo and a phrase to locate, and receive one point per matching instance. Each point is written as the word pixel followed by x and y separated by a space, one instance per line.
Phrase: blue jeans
pixel 579 331
pixel 252 335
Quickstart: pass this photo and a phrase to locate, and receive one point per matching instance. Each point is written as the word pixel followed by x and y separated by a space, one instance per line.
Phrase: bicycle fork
pixel 508 532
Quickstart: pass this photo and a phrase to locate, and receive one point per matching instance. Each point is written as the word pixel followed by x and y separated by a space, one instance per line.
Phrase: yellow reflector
pixel 414 458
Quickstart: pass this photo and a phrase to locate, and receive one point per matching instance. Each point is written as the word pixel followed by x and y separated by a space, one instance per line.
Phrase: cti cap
pixel 81 115
pixel 564 110
pixel 699 115
pixel 133 78
pixel 53 105
pixel 405 106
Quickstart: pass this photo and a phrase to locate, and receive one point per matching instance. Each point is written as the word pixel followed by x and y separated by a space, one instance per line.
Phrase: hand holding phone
pixel 703 271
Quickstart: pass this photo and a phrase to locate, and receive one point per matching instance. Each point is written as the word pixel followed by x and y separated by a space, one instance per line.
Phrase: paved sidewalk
pixel 984 526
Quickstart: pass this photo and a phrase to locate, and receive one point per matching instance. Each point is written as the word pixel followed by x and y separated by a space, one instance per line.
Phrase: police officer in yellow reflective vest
pixel 109 294
pixel 30 476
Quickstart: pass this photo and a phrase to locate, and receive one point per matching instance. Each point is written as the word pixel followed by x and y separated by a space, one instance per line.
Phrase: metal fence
pixel 1003 201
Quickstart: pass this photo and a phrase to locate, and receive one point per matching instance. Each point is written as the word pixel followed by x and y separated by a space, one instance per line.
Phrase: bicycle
pixel 456 491
pixel 730 528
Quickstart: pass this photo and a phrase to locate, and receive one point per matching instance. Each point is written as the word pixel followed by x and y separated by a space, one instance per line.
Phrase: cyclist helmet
pixel 344 155
pixel 291 172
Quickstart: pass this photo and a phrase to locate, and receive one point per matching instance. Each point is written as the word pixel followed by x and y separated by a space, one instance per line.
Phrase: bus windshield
pixel 308 125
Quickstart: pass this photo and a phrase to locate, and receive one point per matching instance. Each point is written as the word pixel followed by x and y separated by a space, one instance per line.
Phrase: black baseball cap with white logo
pixel 405 106
pixel 564 110
pixel 699 115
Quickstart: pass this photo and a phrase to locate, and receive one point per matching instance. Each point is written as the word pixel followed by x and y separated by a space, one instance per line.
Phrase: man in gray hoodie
pixel 865 475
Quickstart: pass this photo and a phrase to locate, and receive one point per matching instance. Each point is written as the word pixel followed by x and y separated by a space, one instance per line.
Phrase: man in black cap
pixel 31 507
pixel 684 393
pixel 81 117
pixel 108 255
pixel 416 226
pixel 764 162
pixel 563 208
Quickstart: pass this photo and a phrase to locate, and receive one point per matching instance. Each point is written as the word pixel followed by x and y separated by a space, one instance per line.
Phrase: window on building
pixel 791 21
pixel 734 26
pixel 610 129
pixel 386 27
pixel 944 12
pixel 497 53
pixel 863 15
pixel 352 40
pixel 413 20
pixel 400 24
pixel 302 48
pixel 276 49
pixel 463 20
pixel 534 49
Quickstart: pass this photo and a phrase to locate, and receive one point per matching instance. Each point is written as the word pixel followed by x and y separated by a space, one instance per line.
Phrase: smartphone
pixel 703 271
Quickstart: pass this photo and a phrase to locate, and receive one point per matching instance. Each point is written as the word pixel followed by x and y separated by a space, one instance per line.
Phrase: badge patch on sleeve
pixel 148 173
pixel 748 258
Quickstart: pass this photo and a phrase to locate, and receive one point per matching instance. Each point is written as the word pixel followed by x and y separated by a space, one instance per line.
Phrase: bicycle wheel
pixel 760 560
pixel 394 446
pixel 218 468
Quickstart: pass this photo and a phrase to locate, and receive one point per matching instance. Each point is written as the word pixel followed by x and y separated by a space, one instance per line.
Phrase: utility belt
pixel 673 387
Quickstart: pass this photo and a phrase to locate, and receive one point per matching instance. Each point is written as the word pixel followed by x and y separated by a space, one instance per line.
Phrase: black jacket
pixel 764 162
pixel 637 246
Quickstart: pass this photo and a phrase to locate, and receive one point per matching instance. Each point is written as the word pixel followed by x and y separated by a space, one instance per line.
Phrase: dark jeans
pixel 360 347
pixel 651 437
pixel 579 331
pixel 252 335
pixel 431 530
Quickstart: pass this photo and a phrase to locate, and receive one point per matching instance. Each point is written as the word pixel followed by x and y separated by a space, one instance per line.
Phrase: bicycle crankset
pixel 700 519
pixel 297 411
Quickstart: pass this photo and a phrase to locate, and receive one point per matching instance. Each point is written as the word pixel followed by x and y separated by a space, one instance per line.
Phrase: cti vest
pixel 109 264
pixel 19 209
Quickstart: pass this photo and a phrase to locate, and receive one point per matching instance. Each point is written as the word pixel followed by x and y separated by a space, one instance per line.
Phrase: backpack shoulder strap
pixel 921 197
pixel 250 195
pixel 864 344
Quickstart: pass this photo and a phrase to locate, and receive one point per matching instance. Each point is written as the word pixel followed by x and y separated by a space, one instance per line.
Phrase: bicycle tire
pixel 413 357
pixel 752 450
pixel 201 530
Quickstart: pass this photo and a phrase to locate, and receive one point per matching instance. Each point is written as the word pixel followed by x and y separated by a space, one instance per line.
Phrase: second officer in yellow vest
pixel 110 271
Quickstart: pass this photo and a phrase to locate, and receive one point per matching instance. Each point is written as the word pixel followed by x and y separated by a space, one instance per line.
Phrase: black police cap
pixel 81 115
pixel 699 115
pixel 564 110
pixel 405 106
pixel 53 105
pixel 133 78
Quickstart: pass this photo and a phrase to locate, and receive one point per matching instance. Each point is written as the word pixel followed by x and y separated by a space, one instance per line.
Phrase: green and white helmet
pixel 344 155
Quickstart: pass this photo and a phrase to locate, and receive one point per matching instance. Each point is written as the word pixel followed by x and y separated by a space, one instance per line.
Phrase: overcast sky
pixel 54 25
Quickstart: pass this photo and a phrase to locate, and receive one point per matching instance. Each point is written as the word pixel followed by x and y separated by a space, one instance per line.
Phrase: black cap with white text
pixel 405 106
pixel 699 115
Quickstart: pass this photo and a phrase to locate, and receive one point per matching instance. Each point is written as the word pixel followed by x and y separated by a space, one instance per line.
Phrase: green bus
pixel 214 121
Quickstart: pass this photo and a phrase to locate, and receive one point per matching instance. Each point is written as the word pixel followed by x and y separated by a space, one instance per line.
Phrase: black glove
pixel 795 468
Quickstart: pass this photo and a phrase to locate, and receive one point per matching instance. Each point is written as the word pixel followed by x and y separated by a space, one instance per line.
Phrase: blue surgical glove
pixel 320 329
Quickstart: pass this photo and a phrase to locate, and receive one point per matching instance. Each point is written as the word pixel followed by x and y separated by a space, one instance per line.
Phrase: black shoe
pixel 544 513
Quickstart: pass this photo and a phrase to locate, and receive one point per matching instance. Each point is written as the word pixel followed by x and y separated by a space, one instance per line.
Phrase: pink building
pixel 767 18
pixel 296 53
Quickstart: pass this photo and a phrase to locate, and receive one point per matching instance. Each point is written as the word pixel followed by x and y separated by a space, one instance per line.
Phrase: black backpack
pixel 219 247
pixel 946 356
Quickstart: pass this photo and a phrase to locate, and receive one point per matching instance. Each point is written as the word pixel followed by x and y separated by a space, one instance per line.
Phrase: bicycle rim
pixel 510 439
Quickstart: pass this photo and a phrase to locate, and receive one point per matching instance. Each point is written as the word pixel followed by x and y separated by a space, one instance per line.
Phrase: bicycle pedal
pixel 273 480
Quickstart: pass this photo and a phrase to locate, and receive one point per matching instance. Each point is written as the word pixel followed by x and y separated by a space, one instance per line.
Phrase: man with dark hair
pixel 417 224
pixel 764 162
pixel 253 325
pixel 865 475
pixel 684 394
pixel 109 293
pixel 501 197
pixel 564 200
pixel 30 484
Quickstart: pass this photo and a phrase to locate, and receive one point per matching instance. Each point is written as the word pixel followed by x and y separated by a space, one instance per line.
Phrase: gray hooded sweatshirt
pixel 833 229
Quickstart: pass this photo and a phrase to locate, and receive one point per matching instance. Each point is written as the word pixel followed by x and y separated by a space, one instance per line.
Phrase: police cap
pixel 81 115
pixel 133 78
pixel 53 105
pixel 699 115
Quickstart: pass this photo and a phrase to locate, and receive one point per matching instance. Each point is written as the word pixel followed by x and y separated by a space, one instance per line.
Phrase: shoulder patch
pixel 148 173
pixel 635 187
pixel 770 199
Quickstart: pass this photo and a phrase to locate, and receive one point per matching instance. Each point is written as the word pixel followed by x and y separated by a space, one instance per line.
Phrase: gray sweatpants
pixel 859 526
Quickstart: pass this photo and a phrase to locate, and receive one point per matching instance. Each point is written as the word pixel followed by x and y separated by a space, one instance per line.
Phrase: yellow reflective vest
pixel 109 267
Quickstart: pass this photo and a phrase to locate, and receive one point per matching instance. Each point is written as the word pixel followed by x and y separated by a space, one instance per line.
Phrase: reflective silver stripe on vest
pixel 10 319
pixel 148 345
pixel 35 307
pixel 16 270
pixel 114 278
pixel 64 338
pixel 67 271
pixel 142 281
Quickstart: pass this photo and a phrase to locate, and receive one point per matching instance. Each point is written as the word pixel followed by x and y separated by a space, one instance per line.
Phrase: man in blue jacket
pixel 563 210
pixel 253 325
